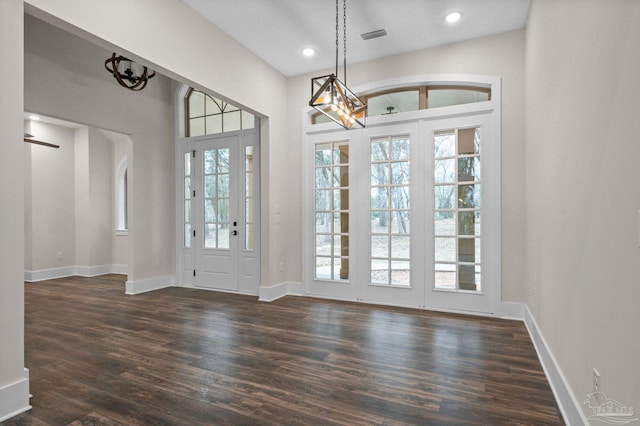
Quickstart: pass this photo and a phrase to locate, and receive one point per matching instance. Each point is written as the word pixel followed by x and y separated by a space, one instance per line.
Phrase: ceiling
pixel 278 30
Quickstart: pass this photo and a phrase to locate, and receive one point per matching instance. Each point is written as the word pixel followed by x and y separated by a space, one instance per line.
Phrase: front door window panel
pixel 216 198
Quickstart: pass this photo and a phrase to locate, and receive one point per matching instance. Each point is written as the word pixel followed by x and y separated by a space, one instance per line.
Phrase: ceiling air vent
pixel 374 34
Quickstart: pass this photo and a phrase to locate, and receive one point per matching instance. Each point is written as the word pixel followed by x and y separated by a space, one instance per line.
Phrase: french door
pixel 393 206
pixel 221 208
pixel 406 214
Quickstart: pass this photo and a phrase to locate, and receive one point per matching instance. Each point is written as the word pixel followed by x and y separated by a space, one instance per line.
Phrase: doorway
pixel 220 212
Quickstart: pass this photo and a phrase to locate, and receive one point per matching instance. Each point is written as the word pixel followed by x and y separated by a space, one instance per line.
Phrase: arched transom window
pixel 206 115
pixel 416 98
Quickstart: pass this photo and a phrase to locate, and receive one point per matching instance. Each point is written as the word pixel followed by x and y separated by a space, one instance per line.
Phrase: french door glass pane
pixel 389 203
pixel 332 211
pixel 457 209
pixel 445 196
pixel 469 169
pixel 445 223
pixel 445 171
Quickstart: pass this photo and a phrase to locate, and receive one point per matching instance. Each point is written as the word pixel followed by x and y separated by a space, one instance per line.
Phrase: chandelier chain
pixel 344 41
pixel 337 35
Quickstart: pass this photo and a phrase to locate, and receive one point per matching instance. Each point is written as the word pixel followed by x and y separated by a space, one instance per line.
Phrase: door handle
pixel 234 232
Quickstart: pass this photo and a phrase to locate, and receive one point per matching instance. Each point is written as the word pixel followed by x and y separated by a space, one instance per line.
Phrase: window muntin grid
pixel 457 210
pixel 206 115
pixel 331 233
pixel 390 211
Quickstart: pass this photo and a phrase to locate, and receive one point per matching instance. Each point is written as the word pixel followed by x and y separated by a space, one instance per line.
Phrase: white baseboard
pixel 68 271
pixel 92 271
pixel 149 284
pixel 49 274
pixel 14 398
pixel 269 294
pixel 570 408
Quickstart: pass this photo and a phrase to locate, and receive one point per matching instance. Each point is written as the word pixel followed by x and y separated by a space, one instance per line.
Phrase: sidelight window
pixel 249 198
pixel 187 198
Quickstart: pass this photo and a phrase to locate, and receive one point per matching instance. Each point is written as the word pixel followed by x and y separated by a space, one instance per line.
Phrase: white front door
pixel 221 213
pixel 216 203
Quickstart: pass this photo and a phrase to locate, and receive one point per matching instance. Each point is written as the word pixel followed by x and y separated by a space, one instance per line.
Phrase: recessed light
pixel 453 17
pixel 308 52
pixel 34 117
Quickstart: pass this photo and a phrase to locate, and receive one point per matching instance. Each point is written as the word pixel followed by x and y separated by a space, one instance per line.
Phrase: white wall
pixel 14 391
pixel 65 78
pixel 82 197
pixel 101 208
pixel 500 55
pixel 184 46
pixel 583 260
pixel 93 199
pixel 69 202
pixel 50 199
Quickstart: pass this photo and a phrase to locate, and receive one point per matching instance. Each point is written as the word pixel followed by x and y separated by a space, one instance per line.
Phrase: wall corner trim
pixel 14 398
pixel 149 284
pixel 569 407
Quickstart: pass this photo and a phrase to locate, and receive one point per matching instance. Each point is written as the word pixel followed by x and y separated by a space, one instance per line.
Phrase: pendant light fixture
pixel 129 74
pixel 331 96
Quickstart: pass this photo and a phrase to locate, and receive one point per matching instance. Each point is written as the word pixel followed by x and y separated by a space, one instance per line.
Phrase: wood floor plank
pixel 180 356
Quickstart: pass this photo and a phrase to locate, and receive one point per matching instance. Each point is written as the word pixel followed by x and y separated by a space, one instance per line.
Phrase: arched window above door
pixel 206 115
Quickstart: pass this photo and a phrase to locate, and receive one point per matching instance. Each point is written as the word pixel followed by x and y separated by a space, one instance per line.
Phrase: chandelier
pixel 129 74
pixel 331 96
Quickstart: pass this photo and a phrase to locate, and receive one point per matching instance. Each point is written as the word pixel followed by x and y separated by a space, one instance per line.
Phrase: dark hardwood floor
pixel 194 357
